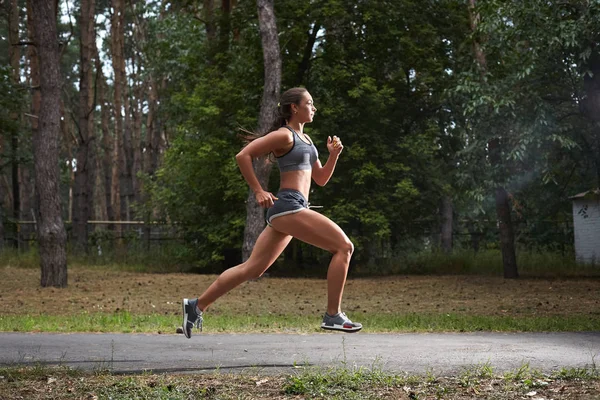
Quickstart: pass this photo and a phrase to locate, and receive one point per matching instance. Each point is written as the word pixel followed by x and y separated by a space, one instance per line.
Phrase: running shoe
pixel 191 316
pixel 340 322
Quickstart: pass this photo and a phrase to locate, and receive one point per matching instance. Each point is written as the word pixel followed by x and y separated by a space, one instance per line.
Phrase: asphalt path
pixel 436 353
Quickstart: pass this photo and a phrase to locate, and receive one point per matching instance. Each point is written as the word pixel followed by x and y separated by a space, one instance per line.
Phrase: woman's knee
pixel 346 248
pixel 251 271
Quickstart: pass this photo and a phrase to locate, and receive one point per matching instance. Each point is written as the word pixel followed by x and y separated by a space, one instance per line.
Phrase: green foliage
pixel 213 94
pixel 526 98
pixel 11 101
pixel 397 82
pixel 198 198
pixel 378 84
pixel 12 105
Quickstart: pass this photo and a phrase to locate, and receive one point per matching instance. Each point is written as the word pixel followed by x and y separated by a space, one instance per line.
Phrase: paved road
pixel 444 353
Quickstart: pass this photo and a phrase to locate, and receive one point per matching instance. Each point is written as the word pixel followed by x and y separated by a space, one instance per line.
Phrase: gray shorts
pixel 289 201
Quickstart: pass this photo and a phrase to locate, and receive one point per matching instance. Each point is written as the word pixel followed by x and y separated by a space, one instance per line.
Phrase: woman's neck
pixel 297 126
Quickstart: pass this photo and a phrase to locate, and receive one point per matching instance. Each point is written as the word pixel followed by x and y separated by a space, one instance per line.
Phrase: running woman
pixel 288 213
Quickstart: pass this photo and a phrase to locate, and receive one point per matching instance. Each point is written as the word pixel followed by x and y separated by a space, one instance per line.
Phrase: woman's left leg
pixel 269 245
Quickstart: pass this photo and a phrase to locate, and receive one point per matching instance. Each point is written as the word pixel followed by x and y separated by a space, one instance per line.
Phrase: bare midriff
pixel 297 180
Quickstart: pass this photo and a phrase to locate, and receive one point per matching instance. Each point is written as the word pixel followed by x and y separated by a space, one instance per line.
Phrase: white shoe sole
pixel 184 303
pixel 340 328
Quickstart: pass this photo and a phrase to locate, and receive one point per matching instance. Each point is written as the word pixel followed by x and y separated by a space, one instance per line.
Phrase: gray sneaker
pixel 191 317
pixel 340 322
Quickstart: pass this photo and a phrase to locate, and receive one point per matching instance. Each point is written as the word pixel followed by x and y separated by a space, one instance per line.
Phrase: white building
pixel 586 226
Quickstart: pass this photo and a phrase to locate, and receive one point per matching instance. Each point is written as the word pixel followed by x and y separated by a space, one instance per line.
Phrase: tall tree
pixel 120 188
pixel 446 214
pixel 255 221
pixel 503 207
pixel 106 156
pixel 15 55
pixel 50 227
pixel 83 191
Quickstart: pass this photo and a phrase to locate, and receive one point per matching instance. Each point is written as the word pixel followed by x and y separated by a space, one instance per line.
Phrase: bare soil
pixel 102 290
pixel 49 384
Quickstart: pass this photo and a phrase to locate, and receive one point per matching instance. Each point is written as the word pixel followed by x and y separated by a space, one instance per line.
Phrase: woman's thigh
pixel 313 228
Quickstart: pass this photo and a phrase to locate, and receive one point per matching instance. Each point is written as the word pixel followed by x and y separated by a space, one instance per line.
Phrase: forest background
pixel 467 126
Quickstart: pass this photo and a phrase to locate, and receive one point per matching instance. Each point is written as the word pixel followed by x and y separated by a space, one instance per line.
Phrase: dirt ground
pixel 56 385
pixel 101 290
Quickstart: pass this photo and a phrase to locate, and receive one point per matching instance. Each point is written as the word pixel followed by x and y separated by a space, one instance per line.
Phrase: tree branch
pixel 24 43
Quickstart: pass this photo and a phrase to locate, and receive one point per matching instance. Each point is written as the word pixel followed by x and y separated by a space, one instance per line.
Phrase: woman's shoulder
pixel 282 132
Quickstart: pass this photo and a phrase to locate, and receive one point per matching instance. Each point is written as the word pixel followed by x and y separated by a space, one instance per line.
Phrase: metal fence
pixel 475 234
pixel 22 234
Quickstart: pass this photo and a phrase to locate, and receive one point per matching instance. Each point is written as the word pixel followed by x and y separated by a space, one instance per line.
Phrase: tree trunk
pixel 446 212
pixel 225 25
pixel 590 106
pixel 122 109
pixel 27 182
pixel 153 125
pixel 476 236
pixel 50 227
pixel 105 158
pixel 14 55
pixel 152 131
pixel 137 112
pixel 507 240
pixel 255 215
pixel 1 225
pixel 119 158
pixel 84 177
pixel 308 51
pixel 127 187
pixel 209 18
pixel 507 237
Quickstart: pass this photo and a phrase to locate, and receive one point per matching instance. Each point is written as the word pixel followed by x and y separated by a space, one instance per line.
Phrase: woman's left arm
pixel 322 173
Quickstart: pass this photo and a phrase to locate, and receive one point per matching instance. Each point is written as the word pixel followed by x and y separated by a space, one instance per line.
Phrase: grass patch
pixel 125 322
pixel 174 257
pixel 18 259
pixel 343 382
pixel 105 299
pixel 484 262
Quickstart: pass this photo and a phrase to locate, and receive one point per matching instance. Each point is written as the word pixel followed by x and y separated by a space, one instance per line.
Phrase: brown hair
pixel 283 113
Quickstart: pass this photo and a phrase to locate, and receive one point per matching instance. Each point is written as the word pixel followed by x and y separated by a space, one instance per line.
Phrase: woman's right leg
pixel 318 230
pixel 269 245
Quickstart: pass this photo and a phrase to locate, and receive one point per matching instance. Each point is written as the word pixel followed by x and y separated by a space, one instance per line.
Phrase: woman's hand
pixel 265 199
pixel 334 145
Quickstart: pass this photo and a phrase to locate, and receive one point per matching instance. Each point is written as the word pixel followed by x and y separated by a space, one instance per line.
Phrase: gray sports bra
pixel 301 156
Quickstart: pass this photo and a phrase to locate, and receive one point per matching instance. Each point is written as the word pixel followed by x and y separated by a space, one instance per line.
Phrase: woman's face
pixel 305 109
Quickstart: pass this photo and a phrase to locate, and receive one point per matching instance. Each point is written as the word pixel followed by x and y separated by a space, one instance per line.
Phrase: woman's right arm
pixel 259 147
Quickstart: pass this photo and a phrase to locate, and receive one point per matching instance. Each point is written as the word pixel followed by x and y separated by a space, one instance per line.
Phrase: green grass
pixel 486 262
pixel 124 322
pixel 342 383
pixel 164 259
